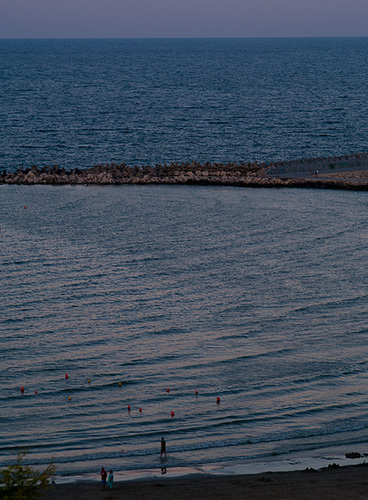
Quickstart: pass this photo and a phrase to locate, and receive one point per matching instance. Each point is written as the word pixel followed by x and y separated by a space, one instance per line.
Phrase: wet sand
pixel 340 483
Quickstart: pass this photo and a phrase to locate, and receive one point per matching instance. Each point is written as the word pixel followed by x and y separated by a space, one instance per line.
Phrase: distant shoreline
pixel 344 172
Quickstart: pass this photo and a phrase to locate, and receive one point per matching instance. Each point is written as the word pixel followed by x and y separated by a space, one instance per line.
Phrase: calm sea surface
pixel 258 297
pixel 76 103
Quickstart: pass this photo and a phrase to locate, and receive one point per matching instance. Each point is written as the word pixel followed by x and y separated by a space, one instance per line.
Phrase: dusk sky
pixel 181 18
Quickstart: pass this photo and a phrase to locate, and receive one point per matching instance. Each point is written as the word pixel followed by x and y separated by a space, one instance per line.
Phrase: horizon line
pixel 181 37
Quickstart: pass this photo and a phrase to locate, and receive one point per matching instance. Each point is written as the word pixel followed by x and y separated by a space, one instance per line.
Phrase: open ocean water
pixel 77 103
pixel 258 297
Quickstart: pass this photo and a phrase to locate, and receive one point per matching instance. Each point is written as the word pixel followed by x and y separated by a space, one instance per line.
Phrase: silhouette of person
pixel 103 478
pixel 163 448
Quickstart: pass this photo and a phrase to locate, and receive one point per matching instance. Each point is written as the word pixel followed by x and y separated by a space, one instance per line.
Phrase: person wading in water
pixel 163 448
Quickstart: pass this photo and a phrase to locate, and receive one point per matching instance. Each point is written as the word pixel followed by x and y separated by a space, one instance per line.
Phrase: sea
pixel 230 321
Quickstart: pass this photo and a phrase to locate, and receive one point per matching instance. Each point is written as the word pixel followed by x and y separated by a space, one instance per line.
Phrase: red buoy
pixel 36 392
pixel 66 375
pixel 172 414
pixel 140 410
pixel 22 389
pixel 167 390
pixel 196 392
pixel 128 407
pixel 218 400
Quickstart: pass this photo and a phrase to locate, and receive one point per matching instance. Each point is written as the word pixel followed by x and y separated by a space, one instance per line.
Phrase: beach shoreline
pixel 293 461
pixel 329 476
pixel 330 483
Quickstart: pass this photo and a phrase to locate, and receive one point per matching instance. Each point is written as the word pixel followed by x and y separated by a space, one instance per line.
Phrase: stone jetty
pixel 351 173
pixel 331 164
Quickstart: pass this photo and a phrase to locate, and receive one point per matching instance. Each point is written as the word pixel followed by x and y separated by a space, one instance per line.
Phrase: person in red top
pixel 103 478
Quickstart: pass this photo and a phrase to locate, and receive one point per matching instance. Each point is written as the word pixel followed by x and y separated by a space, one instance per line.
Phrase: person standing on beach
pixel 110 480
pixel 103 478
pixel 163 448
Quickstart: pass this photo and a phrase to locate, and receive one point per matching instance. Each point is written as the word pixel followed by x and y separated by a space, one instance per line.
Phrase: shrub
pixel 21 482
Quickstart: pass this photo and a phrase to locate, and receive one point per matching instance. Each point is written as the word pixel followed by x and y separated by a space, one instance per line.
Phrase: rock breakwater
pixel 174 173
pixel 229 174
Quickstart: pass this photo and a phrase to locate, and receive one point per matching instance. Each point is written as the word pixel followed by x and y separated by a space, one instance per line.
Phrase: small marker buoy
pixel 140 410
pixel 167 390
pixel 172 414
pixel 22 389
pixel 128 407
pixel 89 381
pixel 218 400
pixel 25 207
pixel 66 375
pixel 119 384
pixel 70 398
pixel 196 393
pixel 36 392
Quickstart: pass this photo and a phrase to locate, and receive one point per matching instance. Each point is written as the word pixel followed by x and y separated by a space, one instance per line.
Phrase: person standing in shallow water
pixel 103 478
pixel 110 480
pixel 163 448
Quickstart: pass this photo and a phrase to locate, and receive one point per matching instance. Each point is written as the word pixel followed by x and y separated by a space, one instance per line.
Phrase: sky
pixel 182 18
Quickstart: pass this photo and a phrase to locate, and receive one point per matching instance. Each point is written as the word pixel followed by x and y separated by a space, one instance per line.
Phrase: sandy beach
pixel 340 483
